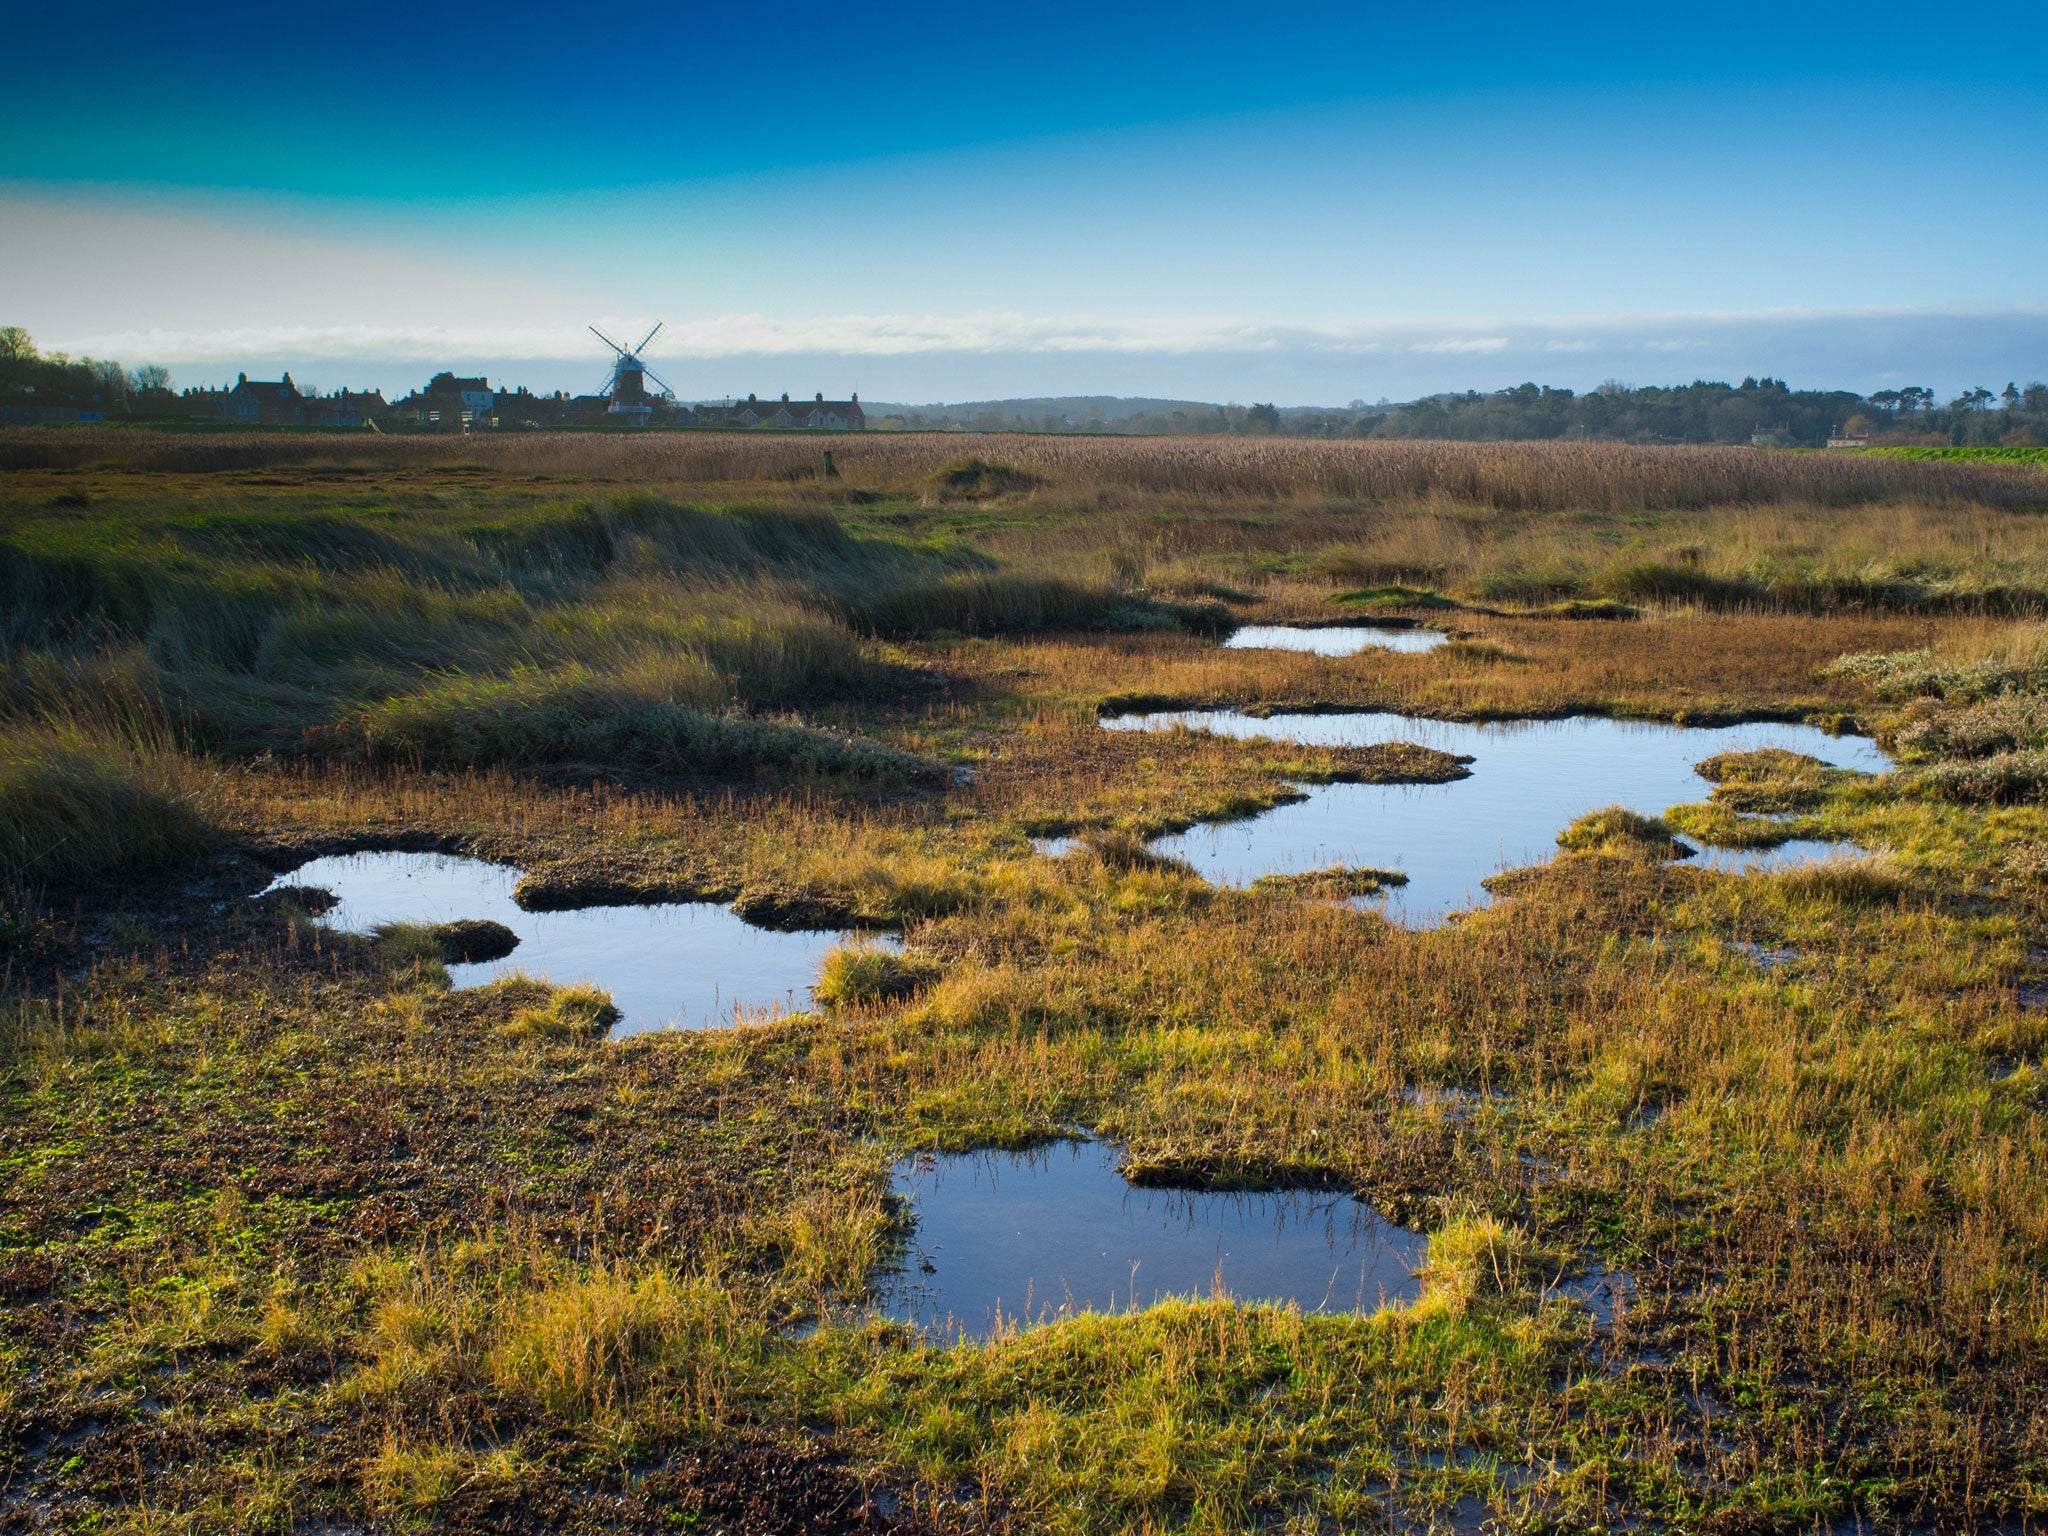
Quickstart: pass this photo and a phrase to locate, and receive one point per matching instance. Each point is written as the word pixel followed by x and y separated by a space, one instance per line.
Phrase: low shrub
pixel 1759 766
pixel 2003 778
pixel 412 946
pixel 1125 852
pixel 1478 653
pixel 983 603
pixel 2001 723
pixel 1654 581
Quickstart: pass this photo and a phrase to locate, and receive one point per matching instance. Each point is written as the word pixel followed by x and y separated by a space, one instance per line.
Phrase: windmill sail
pixel 627 385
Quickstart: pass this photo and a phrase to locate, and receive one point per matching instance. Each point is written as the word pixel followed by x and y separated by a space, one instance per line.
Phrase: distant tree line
pixel 52 380
pixel 1757 410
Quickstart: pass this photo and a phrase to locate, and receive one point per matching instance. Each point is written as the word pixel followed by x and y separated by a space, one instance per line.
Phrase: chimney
pixel 785 397
pixel 856 397
pixel 241 379
pixel 821 397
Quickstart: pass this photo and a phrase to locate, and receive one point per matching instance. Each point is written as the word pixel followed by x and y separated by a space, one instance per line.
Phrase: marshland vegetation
pixel 293 1234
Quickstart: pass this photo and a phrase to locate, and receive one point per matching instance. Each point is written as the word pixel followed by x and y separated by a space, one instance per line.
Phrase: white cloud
pixel 987 333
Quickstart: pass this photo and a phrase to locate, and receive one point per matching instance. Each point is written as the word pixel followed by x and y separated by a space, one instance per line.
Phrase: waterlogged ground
pixel 1529 780
pixel 667 965
pixel 1699 1204
pixel 1011 1238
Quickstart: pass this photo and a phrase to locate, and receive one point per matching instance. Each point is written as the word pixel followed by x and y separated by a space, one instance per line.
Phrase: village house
pixel 450 403
pixel 345 408
pixel 264 400
pixel 819 413
pixel 836 415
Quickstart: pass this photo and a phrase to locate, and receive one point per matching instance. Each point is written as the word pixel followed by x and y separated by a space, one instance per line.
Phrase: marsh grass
pixel 854 975
pixel 572 1015
pixel 76 804
pixel 381 1252
pixel 1617 830
pixel 1339 883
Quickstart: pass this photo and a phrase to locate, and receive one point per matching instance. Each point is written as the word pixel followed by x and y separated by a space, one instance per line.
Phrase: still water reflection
pixel 1332 640
pixel 1026 1236
pixel 674 965
pixel 1530 779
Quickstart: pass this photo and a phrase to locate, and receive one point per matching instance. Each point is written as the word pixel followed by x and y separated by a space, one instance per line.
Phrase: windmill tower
pixel 631 404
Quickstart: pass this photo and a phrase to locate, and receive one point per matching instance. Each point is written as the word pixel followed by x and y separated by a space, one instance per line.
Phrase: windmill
pixel 628 383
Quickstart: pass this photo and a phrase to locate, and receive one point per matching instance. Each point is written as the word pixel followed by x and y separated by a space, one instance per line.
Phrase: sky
pixel 1312 204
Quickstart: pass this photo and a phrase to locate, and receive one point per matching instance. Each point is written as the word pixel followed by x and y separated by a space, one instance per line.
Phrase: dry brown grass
pixel 1505 476
pixel 1681 666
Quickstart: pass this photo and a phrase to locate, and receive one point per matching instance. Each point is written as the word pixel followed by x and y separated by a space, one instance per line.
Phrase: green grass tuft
pixel 1621 831
pixel 75 806
pixel 855 975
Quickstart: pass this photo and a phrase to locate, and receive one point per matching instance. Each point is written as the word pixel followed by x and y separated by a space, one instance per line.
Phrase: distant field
pixel 2038 456
pixel 295 1235
pixel 1513 476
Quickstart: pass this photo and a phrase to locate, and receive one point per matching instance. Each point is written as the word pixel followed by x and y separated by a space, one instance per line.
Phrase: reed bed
pixel 1504 476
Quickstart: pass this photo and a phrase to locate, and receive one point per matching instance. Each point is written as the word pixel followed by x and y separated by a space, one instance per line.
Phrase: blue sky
pixel 1316 204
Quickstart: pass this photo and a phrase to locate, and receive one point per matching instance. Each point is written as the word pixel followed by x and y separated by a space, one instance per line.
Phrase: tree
pixel 15 347
pixel 151 376
pixel 1262 418
pixel 2011 396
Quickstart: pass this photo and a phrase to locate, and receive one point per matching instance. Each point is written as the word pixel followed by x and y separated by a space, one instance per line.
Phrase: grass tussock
pixel 593 1345
pixel 1719 826
pixel 1854 881
pixel 573 716
pixel 1340 883
pixel 572 1015
pixel 858 975
pixel 1618 831
pixel 1473 1259
pixel 75 806
pixel 980 479
pixel 1393 598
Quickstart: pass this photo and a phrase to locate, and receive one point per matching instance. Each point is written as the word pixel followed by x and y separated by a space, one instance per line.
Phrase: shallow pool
pixel 1332 640
pixel 1530 779
pixel 669 965
pixel 1028 1236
